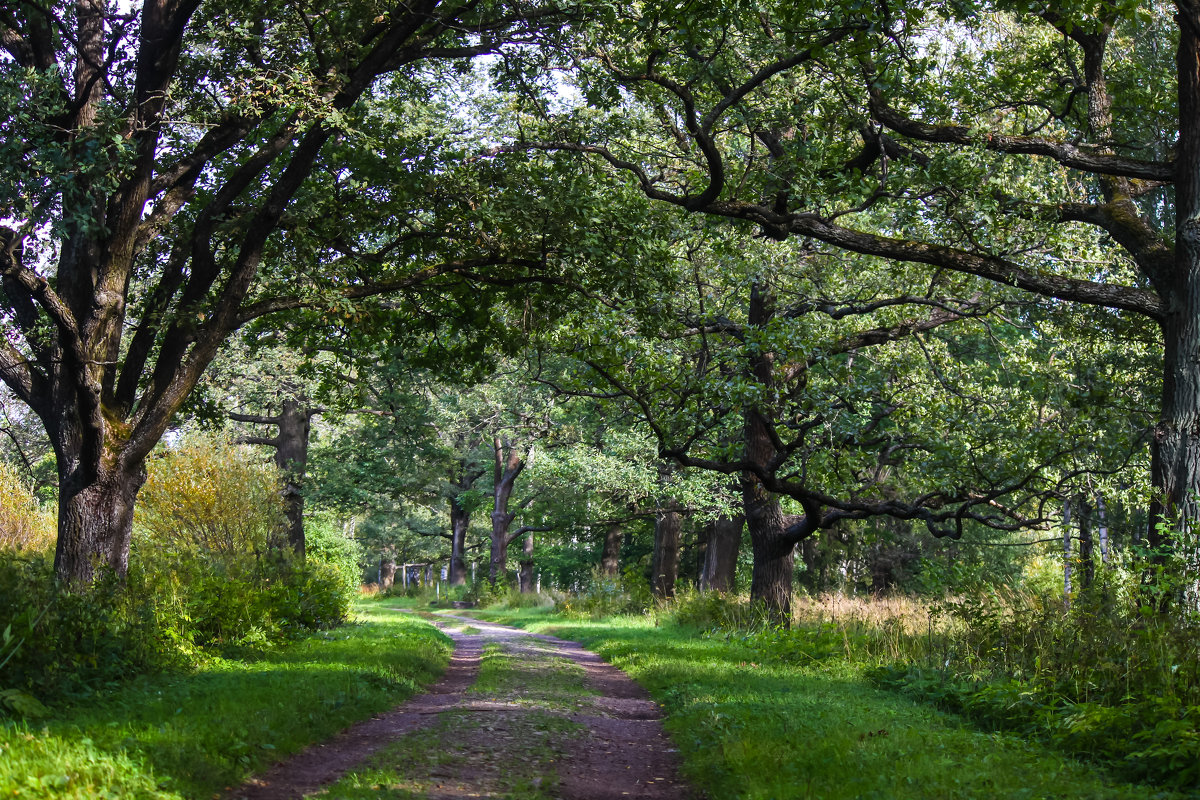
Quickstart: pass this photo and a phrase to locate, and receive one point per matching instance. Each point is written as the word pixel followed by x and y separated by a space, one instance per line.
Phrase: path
pixel 515 715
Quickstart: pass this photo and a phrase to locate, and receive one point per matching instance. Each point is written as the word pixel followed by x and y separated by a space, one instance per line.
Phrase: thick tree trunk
pixel 499 565
pixel 770 542
pixel 507 468
pixel 610 556
pixel 387 573
pixel 665 565
pixel 1175 452
pixel 95 525
pixel 526 577
pixel 720 554
pixel 771 578
pixel 293 426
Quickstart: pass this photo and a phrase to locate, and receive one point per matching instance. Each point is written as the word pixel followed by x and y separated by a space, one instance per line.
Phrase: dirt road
pixel 516 715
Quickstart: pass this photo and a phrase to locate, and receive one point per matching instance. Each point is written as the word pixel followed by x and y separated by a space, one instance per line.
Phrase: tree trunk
pixel 387 573
pixel 1175 451
pixel 1087 563
pixel 459 522
pixel 665 564
pixel 770 542
pixel 507 468
pixel 720 554
pixel 95 524
pixel 771 578
pixel 526 578
pixel 1066 543
pixel 1103 520
pixel 291 456
pixel 610 556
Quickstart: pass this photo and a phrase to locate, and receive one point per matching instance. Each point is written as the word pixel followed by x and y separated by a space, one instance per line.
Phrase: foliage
pixel 207 538
pixel 205 497
pixel 65 644
pixel 605 596
pixel 24 524
pixel 175 736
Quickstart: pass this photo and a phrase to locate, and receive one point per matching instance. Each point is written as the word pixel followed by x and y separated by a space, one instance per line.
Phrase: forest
pixel 828 369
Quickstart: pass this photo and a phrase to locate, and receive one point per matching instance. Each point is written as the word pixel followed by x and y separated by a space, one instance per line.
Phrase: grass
pixel 172 736
pixel 810 725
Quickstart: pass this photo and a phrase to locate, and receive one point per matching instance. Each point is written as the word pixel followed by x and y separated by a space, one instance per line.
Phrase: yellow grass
pixel 24 525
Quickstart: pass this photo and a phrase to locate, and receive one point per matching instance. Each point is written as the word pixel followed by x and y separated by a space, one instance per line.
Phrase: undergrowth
pixel 176 735
pixel 1107 680
pixel 769 713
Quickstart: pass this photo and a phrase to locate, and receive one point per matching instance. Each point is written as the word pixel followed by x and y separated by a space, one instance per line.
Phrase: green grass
pixel 192 735
pixel 753 727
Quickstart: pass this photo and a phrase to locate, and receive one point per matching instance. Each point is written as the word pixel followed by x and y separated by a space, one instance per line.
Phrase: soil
pixel 544 719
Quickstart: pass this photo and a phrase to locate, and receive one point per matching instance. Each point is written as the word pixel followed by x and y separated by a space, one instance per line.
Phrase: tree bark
pixel 293 426
pixel 460 520
pixel 526 576
pixel 770 541
pixel 1175 451
pixel 291 456
pixel 665 563
pixel 507 467
pixel 1087 544
pixel 1066 544
pixel 95 523
pixel 610 556
pixel 387 573
pixel 720 554
pixel 771 577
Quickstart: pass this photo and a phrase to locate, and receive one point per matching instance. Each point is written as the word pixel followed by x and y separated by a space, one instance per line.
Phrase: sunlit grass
pixel 192 735
pixel 749 725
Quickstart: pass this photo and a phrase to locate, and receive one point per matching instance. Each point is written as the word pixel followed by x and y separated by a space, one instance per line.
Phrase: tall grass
pixel 1107 679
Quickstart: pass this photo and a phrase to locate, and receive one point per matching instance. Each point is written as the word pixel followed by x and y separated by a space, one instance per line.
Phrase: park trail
pixel 516 715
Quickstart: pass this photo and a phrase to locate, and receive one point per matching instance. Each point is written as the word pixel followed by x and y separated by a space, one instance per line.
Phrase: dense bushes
pixel 206 574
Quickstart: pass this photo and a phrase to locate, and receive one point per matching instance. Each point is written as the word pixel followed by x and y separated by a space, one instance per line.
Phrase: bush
pixel 712 611
pixel 24 525
pixel 209 534
pixel 606 596
pixel 326 544
pixel 64 644
pixel 206 496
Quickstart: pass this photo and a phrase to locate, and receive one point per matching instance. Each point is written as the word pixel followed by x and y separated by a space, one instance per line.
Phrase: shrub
pixel 209 497
pixel 605 596
pixel 209 534
pixel 327 544
pixel 24 525
pixel 63 644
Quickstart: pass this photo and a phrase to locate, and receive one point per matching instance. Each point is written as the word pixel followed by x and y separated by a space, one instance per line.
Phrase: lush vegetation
pixel 775 713
pixel 192 734
pixel 617 307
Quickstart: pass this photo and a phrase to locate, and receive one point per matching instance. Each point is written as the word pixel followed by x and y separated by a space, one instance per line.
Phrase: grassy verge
pixel 192 735
pixel 812 726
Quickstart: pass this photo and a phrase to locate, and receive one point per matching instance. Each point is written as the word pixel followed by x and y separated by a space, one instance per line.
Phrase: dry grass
pixel 24 525
pixel 886 628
